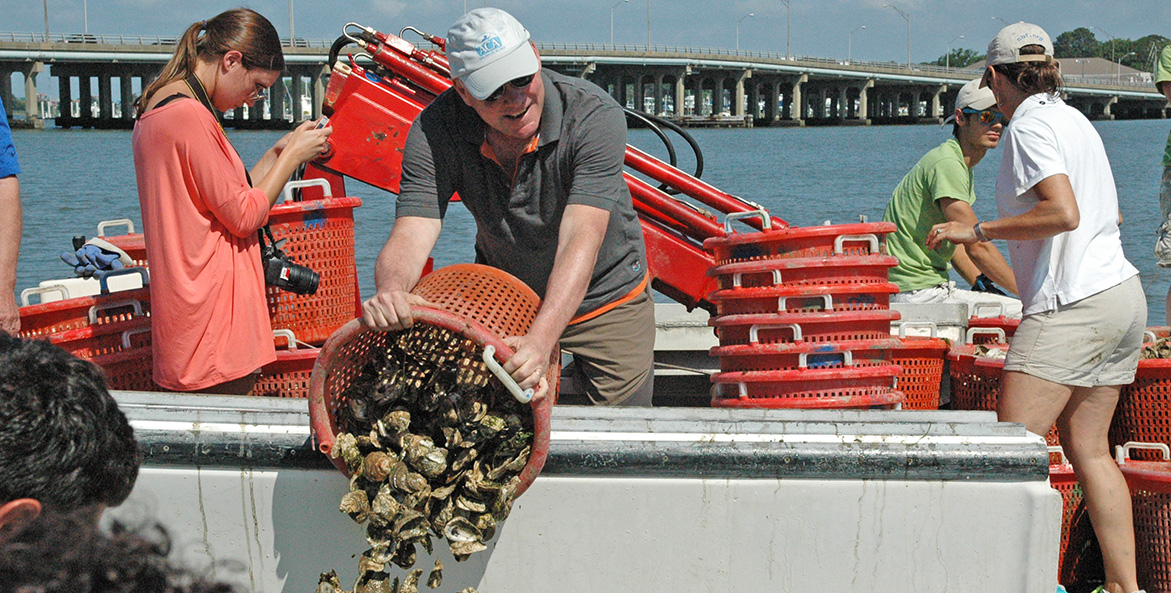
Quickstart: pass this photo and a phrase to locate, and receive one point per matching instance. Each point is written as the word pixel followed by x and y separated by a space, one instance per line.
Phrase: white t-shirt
pixel 1046 137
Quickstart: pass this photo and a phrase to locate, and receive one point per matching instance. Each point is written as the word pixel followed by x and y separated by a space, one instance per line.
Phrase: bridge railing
pixel 13 37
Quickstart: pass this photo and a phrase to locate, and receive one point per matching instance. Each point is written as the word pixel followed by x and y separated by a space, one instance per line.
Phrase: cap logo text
pixel 488 44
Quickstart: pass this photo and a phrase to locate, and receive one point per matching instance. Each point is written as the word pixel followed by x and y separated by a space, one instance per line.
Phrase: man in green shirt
pixel 940 189
pixel 1163 243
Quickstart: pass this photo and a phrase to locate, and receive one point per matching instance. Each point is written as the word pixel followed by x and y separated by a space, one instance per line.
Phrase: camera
pixel 281 272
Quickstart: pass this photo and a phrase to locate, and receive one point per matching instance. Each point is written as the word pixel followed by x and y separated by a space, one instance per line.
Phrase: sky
pixel 819 28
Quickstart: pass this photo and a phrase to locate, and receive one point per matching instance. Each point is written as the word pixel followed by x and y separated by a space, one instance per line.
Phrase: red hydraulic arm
pixel 371 110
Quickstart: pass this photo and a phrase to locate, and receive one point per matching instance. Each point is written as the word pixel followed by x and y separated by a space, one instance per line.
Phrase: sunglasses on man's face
pixel 988 117
pixel 518 83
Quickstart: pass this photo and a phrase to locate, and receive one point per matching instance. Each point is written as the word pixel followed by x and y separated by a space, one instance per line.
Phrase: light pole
pixel 46 21
pixel 907 18
pixel 85 15
pixel 292 36
pixel 612 22
pixel 749 15
pixel 947 57
pixel 850 44
pixel 788 29
pixel 996 18
pixel 1118 72
pixel 648 24
pixel 1111 40
pixel 1082 61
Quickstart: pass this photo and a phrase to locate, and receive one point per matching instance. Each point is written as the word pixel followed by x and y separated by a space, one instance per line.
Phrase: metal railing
pixel 12 37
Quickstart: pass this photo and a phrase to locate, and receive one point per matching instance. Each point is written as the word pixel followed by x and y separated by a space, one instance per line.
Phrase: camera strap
pixel 200 94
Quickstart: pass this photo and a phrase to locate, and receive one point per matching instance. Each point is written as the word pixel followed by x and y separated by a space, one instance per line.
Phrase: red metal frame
pixel 371 114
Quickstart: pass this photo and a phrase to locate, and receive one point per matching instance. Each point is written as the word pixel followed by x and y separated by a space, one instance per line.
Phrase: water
pixel 72 179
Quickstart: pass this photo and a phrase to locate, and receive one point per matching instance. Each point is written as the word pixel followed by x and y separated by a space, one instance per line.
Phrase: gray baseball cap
pixel 1005 48
pixel 486 48
pixel 971 95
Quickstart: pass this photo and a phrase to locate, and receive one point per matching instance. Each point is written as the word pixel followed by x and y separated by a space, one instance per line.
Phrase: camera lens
pixel 286 275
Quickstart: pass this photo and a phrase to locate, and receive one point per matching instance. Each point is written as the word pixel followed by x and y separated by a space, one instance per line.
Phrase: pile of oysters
pixel 1160 348
pixel 434 445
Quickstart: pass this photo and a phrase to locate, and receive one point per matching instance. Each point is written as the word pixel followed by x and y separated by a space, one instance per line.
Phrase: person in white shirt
pixel 1084 309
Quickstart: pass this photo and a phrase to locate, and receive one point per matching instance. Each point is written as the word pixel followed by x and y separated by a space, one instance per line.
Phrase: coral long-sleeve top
pixel 210 319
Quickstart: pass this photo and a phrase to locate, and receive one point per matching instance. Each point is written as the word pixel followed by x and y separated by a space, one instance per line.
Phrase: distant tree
pixel 1078 43
pixel 958 58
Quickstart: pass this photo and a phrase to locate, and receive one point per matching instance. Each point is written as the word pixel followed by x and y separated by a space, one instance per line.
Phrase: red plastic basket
pixel 803 327
pixel 68 314
pixel 861 269
pixel 129 369
pixel 975 382
pixel 320 235
pixel 289 375
pixel 804 298
pixel 783 357
pixel 485 305
pixel 107 338
pixel 843 387
pixel 1080 560
pixel 1150 491
pixel 1005 324
pixel 817 241
pixel 921 360
pixel 1144 407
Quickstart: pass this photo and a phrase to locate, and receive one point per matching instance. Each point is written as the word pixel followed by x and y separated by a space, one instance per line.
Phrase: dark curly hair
pixel 63 440
pixel 66 553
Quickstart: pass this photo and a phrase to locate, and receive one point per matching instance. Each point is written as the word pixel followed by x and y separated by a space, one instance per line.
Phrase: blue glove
pixel 90 259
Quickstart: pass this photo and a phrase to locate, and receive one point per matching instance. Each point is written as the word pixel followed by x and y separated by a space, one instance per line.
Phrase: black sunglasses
pixel 988 117
pixel 518 83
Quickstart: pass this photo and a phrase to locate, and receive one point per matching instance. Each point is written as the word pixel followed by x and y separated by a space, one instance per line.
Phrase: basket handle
pixel 736 278
pixel 827 299
pixel 102 308
pixel 1058 450
pixel 717 390
pixel 132 332
pixel 288 335
pixel 765 219
pixel 1122 452
pixel 1149 337
pixel 847 358
pixel 753 331
pixel 524 396
pixel 103 225
pixel 903 325
pixel 999 307
pixel 104 277
pixel 994 331
pixel 840 241
pixel 287 193
pixel 35 290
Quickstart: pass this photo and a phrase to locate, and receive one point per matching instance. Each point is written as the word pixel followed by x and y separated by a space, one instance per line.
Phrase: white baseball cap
pixel 971 95
pixel 1005 48
pixel 486 48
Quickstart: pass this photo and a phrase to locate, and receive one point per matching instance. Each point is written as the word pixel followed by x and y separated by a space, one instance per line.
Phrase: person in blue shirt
pixel 10 226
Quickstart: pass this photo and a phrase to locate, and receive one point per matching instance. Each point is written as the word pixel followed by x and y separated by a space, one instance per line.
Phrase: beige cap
pixel 1005 48
pixel 971 95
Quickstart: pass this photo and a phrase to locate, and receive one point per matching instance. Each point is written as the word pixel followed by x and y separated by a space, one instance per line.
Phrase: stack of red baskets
pixel 318 234
pixel 803 317
pixel 1150 491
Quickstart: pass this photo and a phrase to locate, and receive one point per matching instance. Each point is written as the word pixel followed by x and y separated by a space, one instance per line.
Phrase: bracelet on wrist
pixel 979 233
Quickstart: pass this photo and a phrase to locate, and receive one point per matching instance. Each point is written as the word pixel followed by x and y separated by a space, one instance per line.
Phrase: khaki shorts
pixel 1094 341
pixel 615 351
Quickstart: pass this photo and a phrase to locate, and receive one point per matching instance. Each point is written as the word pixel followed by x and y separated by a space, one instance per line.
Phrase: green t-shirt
pixel 914 208
pixel 1163 73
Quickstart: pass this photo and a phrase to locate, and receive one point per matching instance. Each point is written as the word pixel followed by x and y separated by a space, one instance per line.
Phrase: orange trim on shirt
pixel 608 306
pixel 487 152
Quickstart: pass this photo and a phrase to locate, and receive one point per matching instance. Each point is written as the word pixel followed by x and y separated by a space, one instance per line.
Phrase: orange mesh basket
pixel 129 369
pixel 837 386
pixel 1144 407
pixel 815 241
pixel 803 327
pixel 921 359
pixel 42 319
pixel 818 271
pixel 1150 492
pixel 288 375
pixel 1079 564
pixel 320 235
pixel 804 298
pixel 478 302
pixel 975 382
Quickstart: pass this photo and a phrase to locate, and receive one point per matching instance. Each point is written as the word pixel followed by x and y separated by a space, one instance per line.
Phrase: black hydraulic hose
pixel 336 49
pixel 695 149
pixel 672 158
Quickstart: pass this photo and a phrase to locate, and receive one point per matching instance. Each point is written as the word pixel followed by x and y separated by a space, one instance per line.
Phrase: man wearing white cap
pixel 537 159
pixel 940 188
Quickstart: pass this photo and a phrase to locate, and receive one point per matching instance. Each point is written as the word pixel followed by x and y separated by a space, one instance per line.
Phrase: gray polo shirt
pixel 578 160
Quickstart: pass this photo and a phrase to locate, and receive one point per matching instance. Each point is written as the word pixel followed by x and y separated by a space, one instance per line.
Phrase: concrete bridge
pixel 692 86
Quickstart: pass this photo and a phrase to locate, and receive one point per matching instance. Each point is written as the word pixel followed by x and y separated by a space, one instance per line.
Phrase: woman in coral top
pixel 201 209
